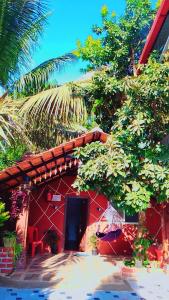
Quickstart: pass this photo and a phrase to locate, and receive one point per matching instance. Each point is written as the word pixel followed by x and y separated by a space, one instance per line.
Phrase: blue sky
pixel 70 21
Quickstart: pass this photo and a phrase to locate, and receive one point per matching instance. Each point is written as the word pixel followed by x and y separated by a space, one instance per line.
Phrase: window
pixel 134 219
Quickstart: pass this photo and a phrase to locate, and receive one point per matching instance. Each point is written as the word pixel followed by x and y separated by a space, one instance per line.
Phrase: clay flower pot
pixel 9 242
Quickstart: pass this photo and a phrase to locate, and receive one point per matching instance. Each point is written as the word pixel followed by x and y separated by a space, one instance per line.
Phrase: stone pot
pixel 53 248
pixel 94 251
pixel 138 263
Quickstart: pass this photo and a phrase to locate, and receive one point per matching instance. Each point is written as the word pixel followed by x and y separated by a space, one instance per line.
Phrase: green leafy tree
pixel 103 96
pixel 113 52
pixel 133 166
pixel 119 41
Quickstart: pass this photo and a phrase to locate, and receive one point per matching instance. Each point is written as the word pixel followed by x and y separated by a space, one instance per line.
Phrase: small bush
pixel 4 216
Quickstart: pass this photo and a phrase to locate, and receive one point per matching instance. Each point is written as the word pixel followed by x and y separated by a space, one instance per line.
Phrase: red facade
pixel 52 215
pixel 51 173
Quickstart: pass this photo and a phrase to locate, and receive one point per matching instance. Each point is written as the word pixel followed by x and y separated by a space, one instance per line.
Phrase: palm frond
pixel 7 116
pixel 46 136
pixel 63 132
pixel 39 76
pixel 10 125
pixel 61 105
pixel 21 22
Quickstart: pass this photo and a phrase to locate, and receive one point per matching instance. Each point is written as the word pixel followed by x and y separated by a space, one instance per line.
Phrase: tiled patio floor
pixel 72 271
pixel 70 276
pixel 151 286
pixel 46 294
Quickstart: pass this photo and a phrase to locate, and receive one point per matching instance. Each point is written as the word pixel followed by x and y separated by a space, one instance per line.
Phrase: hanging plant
pixel 18 203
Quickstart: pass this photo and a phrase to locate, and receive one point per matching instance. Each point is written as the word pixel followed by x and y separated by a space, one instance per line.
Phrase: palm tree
pixel 21 23
pixel 7 121
pixel 54 115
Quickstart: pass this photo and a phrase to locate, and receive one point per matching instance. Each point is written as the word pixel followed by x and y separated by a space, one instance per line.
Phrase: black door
pixel 76 222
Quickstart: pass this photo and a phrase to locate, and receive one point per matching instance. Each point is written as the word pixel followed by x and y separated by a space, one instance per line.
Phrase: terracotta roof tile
pixel 47 163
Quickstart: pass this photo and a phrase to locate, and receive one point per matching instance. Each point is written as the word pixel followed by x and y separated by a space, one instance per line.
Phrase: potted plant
pixel 51 238
pixel 9 239
pixel 140 252
pixel 93 242
pixel 4 216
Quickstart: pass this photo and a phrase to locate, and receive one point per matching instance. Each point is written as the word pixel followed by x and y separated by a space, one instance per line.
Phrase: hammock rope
pixel 114 221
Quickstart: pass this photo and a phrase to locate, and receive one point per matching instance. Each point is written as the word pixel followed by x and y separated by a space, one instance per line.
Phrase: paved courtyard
pixel 71 276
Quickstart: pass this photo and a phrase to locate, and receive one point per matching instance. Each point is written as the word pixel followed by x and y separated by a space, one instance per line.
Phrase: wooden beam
pixel 52 169
pixel 37 172
pixel 93 139
pixel 53 154
pixel 64 155
pixel 99 135
pixel 9 174
pixel 22 172
pixel 47 169
pixel 69 172
pixel 83 141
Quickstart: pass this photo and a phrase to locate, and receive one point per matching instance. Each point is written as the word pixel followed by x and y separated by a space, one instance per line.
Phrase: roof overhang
pixel 154 32
pixel 48 165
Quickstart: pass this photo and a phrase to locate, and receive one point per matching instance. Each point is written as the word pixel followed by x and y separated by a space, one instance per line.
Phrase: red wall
pixel 44 216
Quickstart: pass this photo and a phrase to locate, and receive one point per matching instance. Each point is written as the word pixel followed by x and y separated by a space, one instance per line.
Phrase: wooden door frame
pixel 65 215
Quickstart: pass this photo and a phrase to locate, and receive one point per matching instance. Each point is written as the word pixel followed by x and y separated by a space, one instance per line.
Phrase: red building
pixel 158 37
pixel 55 205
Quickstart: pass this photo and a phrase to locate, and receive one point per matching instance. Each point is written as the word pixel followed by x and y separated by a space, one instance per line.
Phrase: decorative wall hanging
pixel 19 201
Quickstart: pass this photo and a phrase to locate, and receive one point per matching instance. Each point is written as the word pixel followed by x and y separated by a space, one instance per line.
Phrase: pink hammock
pixel 112 217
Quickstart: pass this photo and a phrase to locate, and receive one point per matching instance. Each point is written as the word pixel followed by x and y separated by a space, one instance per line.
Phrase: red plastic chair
pixel 33 240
